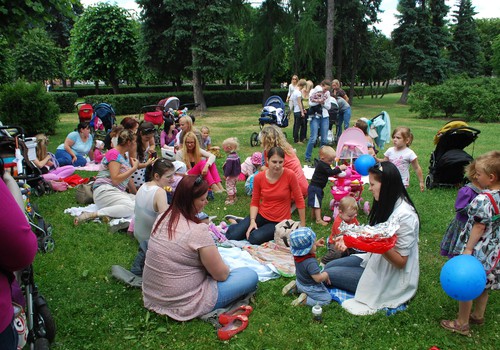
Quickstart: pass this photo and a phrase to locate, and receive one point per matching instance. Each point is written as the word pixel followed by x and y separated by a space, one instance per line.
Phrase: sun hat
pixel 256 158
pixel 180 167
pixel 301 241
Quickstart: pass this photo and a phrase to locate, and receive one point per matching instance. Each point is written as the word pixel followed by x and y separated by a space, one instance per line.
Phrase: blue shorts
pixel 314 196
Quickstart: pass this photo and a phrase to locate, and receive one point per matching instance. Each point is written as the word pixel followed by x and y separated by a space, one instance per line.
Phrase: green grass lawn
pixel 93 311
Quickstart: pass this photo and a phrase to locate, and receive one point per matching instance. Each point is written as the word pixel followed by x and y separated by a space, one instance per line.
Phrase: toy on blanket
pixel 374 239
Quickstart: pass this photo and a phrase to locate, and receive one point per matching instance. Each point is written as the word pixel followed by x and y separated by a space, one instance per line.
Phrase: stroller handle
pixel 19 129
pixel 189 105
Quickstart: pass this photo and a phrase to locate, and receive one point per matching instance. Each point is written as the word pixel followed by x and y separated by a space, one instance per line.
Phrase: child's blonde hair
pixel 327 152
pixel 490 163
pixel 205 128
pixel 301 83
pixel 347 203
pixel 309 86
pixel 41 146
pixel 406 133
pixel 231 142
pixel 470 171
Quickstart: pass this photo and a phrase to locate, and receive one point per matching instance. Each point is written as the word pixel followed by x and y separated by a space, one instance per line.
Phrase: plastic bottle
pixel 317 312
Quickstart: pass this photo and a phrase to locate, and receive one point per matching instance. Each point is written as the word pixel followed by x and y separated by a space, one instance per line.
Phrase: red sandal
pixel 238 324
pixel 452 325
pixel 229 316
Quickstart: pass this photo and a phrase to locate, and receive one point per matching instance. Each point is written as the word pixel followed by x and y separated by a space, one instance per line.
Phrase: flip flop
pixel 452 325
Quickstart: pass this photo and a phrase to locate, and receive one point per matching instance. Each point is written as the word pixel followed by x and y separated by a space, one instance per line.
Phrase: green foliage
pixel 495 59
pixel 103 43
pixel 65 100
pixel 481 102
pixel 30 106
pixel 6 62
pixel 36 56
pixel 489 29
pixel 465 49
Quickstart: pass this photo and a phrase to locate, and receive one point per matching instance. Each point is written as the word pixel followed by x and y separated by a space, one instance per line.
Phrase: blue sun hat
pixel 301 241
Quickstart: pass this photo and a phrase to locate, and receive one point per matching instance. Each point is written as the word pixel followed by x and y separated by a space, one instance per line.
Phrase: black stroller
pixel 274 112
pixel 449 159
pixel 103 119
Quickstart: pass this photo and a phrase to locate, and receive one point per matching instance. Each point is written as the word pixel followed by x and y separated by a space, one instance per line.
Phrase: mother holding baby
pixel 390 279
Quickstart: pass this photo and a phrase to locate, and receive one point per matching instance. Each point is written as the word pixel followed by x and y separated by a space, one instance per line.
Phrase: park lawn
pixel 93 311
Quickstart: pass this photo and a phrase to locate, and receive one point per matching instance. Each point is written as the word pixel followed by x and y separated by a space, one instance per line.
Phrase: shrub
pixel 473 99
pixel 65 100
pixel 29 106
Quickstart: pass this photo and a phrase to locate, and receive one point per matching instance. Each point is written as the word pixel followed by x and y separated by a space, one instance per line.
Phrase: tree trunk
pixel 96 85
pixel 330 21
pixel 116 86
pixel 198 92
pixel 339 49
pixel 267 84
pixel 386 84
pixel 406 90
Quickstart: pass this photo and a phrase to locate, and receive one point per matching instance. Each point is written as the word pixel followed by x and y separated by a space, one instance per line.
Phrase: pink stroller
pixel 351 145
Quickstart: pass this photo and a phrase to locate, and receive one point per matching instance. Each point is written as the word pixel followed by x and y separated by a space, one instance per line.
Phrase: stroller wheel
pixel 42 344
pixel 46 326
pixel 429 181
pixel 46 244
pixel 254 139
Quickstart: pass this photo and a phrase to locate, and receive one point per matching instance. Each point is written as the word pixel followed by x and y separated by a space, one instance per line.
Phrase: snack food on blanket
pixel 374 239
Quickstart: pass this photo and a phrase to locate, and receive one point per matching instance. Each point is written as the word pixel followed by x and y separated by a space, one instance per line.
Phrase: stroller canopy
pixel 276 102
pixel 170 102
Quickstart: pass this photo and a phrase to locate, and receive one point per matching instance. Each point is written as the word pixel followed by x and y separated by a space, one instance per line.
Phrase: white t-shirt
pixel 293 100
pixel 145 214
pixel 402 159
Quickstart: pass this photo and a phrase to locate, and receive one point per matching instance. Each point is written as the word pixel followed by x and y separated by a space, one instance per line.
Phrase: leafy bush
pixel 472 99
pixel 29 106
pixel 65 100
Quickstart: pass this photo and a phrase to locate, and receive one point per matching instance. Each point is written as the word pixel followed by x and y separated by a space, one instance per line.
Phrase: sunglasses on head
pixel 148 131
pixel 198 180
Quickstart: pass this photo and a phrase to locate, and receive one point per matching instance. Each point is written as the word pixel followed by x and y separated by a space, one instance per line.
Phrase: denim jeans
pixel 322 124
pixel 316 294
pixel 345 273
pixel 344 118
pixel 299 127
pixel 9 338
pixel 64 158
pixel 264 232
pixel 239 283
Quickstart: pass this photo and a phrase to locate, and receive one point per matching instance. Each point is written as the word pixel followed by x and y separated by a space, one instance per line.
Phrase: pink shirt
pixel 18 246
pixel 175 282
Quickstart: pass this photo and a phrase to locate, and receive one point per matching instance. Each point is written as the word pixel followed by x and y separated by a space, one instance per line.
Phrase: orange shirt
pixel 292 162
pixel 335 228
pixel 274 200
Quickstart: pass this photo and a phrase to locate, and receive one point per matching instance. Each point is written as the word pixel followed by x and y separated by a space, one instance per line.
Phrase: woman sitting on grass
pixel 76 146
pixel 389 279
pixel 184 275
pixel 199 162
pixel 273 192
pixel 112 181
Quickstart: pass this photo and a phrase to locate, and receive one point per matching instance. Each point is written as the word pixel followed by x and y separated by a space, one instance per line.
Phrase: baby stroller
pixel 351 145
pixel 103 119
pixel 172 109
pixel 17 153
pixel 275 111
pixel 449 159
pixel 154 115
pixel 85 112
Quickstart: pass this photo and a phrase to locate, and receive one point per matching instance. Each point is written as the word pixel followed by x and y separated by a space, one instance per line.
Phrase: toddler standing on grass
pixel 465 196
pixel 319 180
pixel 481 238
pixel 402 156
pixel 348 210
pixel 231 167
pixel 310 279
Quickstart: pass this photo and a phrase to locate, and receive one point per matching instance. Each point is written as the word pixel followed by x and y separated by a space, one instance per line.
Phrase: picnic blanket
pixel 236 257
pixel 90 166
pixel 75 211
pixel 346 300
pixel 271 253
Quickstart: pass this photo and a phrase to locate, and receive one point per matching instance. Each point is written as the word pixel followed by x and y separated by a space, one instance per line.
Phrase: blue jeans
pixel 322 124
pixel 239 283
pixel 345 273
pixel 264 232
pixel 9 338
pixel 64 158
pixel 299 127
pixel 316 294
pixel 344 117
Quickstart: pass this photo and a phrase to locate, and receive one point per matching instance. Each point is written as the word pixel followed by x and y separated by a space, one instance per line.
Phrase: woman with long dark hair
pixel 389 279
pixel 184 275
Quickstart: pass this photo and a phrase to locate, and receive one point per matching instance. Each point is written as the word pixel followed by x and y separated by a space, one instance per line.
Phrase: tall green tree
pixel 465 51
pixel 489 29
pixel 103 45
pixel 36 56
pixel 495 58
pixel 420 39
pixel 6 62
pixel 16 17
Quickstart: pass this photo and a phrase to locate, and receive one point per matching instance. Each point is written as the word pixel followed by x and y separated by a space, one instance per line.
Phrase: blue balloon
pixel 363 163
pixel 463 278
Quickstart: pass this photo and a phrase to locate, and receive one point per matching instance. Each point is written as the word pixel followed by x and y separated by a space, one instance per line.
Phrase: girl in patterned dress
pixel 481 238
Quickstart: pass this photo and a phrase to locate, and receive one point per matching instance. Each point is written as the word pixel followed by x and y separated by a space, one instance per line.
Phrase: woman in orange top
pixel 272 136
pixel 273 192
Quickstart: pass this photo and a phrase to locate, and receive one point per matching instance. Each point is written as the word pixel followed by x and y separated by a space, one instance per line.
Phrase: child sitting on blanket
pixel 99 147
pixel 310 279
pixel 348 210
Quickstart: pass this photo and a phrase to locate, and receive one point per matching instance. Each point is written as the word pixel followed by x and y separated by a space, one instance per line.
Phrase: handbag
pixel 84 193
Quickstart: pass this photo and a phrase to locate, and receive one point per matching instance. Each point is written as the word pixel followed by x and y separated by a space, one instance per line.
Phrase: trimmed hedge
pixel 65 100
pixel 475 99
pixel 29 106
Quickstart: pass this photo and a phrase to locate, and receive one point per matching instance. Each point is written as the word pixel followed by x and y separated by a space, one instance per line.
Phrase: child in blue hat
pixel 310 279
